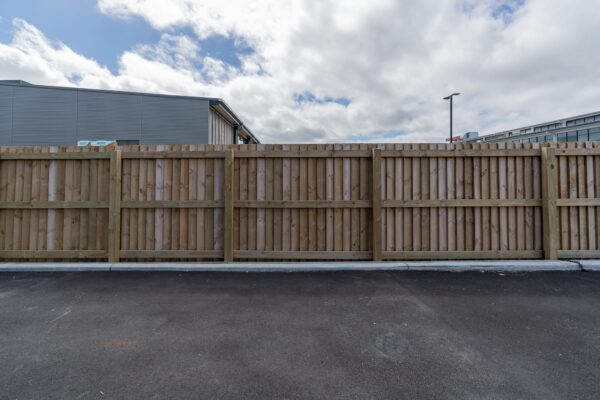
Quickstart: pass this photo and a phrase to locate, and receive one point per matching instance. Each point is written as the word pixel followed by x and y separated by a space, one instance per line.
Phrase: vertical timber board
pixel 550 216
pixel 114 222
pixel 376 203
pixel 228 212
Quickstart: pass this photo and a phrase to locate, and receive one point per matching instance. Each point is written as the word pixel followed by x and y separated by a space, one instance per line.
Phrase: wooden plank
pixel 365 187
pixel 329 193
pixel 52 254
pixel 170 254
pixel 494 194
pixel 261 194
pixel 114 222
pixel 581 193
pixel 572 151
pixel 346 195
pixel 486 213
pixel 449 152
pixel 252 233
pixel 354 196
pixel 578 202
pixel 424 194
pixel 477 220
pixel 141 190
pixel 460 194
pixel 321 194
pixel 83 195
pixel 416 195
pixel 44 204
pixel 520 211
pixel 529 185
pixel 549 191
pixel 301 204
pixel 511 187
pixel 304 255
pixel 462 255
pixel 503 223
pixel 469 213
pixel 451 194
pixel 376 200
pixel 26 214
pixel 579 254
pixel 388 216
pixel 434 212
pixel 311 182
pixel 201 196
pixel 277 195
pixel 303 195
pixel 228 211
pixel 55 156
pixel 573 211
pixel 537 193
pixel 286 222
pixel 398 195
pixel 338 191
pixel 269 195
pixel 173 154
pixel 337 152
pixel 591 193
pixel 209 214
pixel 442 212
pixel 132 194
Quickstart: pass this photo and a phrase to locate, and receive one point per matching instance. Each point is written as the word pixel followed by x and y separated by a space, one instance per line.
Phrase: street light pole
pixel 450 98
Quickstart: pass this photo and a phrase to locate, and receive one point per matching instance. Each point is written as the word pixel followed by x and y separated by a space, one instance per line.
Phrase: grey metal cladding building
pixel 36 115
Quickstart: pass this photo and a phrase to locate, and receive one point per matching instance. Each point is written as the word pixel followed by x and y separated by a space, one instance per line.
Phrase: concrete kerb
pixel 494 266
pixel 448 266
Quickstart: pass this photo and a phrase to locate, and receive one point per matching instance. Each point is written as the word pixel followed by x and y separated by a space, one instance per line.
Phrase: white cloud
pixel 514 62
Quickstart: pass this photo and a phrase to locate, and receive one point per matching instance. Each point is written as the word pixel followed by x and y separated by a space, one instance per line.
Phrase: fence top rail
pixel 303 154
pixel 56 156
pixel 588 151
pixel 463 153
pixel 173 154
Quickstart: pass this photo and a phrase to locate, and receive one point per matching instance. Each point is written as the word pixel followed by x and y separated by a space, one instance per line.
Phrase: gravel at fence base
pixel 330 335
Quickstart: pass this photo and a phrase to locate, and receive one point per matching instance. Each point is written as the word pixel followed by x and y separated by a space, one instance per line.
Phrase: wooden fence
pixel 301 202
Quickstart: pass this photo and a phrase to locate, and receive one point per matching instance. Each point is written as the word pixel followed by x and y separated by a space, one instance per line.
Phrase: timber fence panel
pixel 300 202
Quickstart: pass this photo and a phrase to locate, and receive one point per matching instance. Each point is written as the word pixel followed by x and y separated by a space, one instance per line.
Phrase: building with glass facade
pixel 580 128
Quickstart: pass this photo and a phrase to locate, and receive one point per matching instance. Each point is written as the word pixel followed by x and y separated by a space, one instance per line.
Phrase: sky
pixel 323 71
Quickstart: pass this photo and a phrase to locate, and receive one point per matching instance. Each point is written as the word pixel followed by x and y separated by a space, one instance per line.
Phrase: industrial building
pixel 36 115
pixel 573 129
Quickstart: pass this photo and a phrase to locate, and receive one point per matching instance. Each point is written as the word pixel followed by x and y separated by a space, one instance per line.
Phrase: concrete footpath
pixel 451 266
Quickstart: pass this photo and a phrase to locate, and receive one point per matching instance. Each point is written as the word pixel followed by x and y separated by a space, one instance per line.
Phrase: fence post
pixel 550 212
pixel 228 207
pixel 114 211
pixel 376 205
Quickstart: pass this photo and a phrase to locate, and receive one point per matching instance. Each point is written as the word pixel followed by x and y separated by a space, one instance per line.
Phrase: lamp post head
pixel 452 95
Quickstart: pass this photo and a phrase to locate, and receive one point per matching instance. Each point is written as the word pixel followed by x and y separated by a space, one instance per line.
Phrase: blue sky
pixel 81 26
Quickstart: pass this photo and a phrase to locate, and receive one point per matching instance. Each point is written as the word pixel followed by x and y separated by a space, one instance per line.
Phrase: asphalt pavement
pixel 328 335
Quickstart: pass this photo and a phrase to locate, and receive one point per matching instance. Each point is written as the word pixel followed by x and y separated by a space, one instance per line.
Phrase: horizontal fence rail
pixel 300 202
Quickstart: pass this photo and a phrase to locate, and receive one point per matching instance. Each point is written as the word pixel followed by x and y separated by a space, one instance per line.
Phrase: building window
pixel 549 138
pixel 582 135
pixel 562 137
pixel 595 134
pixel 572 137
